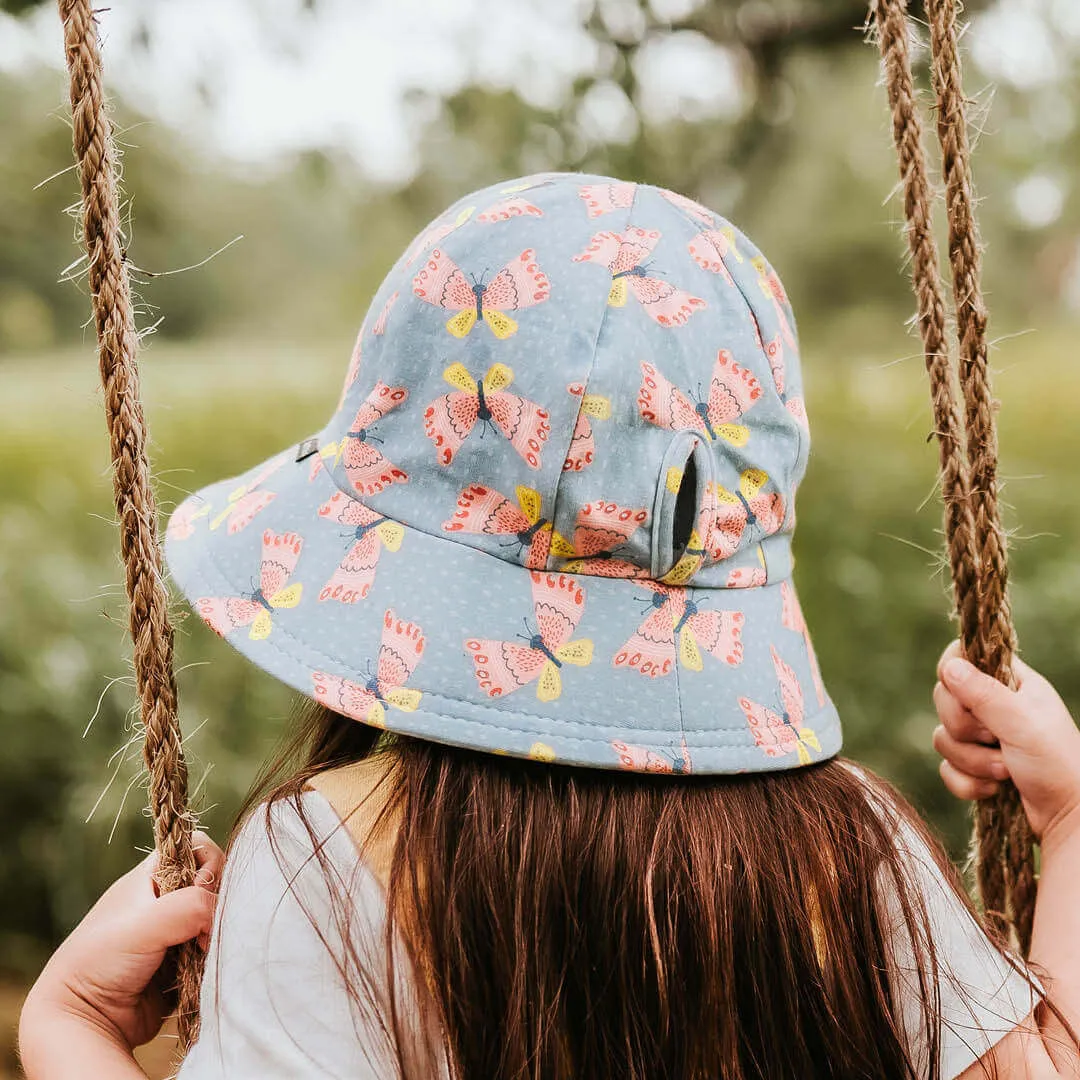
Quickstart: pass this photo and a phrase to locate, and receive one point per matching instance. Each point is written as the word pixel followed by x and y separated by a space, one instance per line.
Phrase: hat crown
pixel 573 372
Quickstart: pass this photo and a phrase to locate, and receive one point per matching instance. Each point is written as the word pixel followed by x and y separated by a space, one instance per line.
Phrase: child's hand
pixel 104 973
pixel 989 733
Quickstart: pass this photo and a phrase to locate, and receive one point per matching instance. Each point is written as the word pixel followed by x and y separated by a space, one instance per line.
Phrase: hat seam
pixel 588 378
pixel 342 665
pixel 695 223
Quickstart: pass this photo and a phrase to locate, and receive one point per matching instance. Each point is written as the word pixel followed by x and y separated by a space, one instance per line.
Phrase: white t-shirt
pixel 274 1004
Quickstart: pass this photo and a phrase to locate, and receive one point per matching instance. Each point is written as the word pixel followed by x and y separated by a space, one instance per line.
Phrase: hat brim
pixel 262 566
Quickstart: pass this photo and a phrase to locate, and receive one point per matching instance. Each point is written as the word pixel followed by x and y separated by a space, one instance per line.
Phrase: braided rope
pixel 151 632
pixel 1004 836
pixel 968 458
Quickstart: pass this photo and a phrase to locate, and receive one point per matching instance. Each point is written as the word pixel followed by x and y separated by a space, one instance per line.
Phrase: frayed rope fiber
pixel 977 550
pixel 151 631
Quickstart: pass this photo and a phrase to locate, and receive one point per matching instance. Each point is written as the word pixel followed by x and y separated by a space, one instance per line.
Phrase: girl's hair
pixel 573 924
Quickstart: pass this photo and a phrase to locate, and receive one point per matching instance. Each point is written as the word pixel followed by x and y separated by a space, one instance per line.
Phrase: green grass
pixel 869 572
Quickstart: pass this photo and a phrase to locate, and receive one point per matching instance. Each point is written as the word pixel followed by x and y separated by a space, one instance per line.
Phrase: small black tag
pixel 307 448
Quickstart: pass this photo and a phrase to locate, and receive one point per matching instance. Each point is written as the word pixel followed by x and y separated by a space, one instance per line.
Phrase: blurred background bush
pixel 327 132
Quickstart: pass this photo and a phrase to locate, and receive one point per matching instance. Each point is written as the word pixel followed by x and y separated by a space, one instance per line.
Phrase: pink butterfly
pixel 639 759
pixel 370 533
pixel 601 528
pixel 182 523
pixel 792 617
pixel 774 290
pixel 380 322
pixel 501 667
pixel 675 620
pixel 732 391
pixel 689 206
pixel 437 233
pixel 449 419
pixel 622 254
pixel 354 366
pixel 710 249
pixel 485 511
pixel 746 577
pixel 280 553
pixel 779 733
pixel 748 507
pixel 520 284
pixel 399 653
pixel 248 499
pixel 774 351
pixel 368 471
pixel 582 448
pixel 603 198
pixel 507 209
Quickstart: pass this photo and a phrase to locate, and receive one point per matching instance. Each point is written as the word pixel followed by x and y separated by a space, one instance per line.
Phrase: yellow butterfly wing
pixel 617 295
pixel 502 326
pixel 239 493
pixel 736 434
pixel 261 627
pixel 404 698
pixel 689 653
pixel 721 494
pixel 550 685
pixel 729 234
pixel 498 377
pixel 464 214
pixel 289 597
pixel 201 512
pixel 810 738
pixel 752 481
pixel 376 715
pixel 673 480
pixel 579 653
pixel 529 501
pixel 391 534
pixel 688 563
pixel 460 324
pixel 596 406
pixel 457 375
pixel 541 752
pixel 562 547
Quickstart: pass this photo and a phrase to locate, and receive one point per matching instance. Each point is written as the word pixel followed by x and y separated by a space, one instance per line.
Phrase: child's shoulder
pixel 359 797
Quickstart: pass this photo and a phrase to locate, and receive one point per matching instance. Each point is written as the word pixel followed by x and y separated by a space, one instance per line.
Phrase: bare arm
pixel 97 998
pixel 989 733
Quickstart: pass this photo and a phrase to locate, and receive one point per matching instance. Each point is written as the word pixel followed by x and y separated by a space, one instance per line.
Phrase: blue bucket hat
pixel 551 515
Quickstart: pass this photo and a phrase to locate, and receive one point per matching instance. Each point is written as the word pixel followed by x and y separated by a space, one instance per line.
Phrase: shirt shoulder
pixel 979 994
pixel 275 997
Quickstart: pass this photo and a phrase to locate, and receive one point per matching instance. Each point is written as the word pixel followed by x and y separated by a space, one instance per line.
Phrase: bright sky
pixel 255 78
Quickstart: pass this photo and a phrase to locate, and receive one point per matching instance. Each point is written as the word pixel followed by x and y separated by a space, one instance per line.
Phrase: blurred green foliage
pixel 253 345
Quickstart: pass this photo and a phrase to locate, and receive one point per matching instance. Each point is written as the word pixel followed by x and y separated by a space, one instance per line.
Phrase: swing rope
pixel 151 631
pixel 975 541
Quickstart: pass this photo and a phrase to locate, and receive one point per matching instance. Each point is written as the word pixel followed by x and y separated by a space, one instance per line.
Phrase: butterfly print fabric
pixel 550 512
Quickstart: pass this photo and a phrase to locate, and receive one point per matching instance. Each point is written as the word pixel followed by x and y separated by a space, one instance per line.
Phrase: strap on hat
pixel 975 542
pixel 136 510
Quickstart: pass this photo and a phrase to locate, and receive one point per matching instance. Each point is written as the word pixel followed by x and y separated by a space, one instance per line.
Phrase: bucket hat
pixel 551 514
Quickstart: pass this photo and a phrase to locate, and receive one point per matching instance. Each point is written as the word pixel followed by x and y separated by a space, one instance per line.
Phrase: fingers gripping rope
pixel 968 457
pixel 151 631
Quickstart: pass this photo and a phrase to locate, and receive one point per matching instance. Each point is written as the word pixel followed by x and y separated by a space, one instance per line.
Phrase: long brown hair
pixel 575 924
